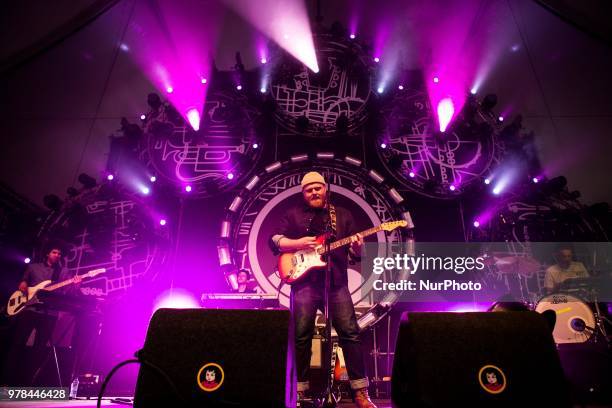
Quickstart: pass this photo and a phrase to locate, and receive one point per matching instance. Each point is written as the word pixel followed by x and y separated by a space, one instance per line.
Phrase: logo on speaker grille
pixel 210 377
pixel 492 379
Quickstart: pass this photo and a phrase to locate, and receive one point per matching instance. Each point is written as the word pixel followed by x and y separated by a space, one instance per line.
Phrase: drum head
pixel 575 320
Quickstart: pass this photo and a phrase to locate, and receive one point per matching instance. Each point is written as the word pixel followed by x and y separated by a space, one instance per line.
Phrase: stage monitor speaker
pixel 505 359
pixel 214 357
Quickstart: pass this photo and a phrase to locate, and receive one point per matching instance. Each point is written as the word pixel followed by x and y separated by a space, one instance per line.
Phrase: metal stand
pixel 328 399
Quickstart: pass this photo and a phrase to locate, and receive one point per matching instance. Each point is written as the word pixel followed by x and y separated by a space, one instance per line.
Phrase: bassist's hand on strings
pixel 23 287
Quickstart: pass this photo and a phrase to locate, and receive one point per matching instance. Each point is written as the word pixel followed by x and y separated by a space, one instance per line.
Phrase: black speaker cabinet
pixel 211 357
pixel 496 359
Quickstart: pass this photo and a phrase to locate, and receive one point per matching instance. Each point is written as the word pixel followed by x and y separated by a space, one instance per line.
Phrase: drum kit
pixel 580 314
pixel 580 317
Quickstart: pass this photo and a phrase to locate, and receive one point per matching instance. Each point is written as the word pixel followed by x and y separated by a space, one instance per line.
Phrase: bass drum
pixel 575 319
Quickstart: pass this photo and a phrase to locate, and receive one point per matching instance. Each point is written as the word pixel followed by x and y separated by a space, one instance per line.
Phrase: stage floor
pixel 381 403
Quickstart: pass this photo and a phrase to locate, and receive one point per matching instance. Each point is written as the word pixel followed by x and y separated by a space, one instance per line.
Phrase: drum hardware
pixel 577 320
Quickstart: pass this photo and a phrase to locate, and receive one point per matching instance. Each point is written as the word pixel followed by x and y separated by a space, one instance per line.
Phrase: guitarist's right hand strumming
pixel 23 287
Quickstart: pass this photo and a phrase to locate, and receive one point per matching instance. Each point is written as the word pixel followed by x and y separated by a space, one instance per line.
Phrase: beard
pixel 317 202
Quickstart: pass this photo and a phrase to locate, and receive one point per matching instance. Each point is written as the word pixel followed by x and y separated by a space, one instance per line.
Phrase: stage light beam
pixel 446 110
pixel 193 116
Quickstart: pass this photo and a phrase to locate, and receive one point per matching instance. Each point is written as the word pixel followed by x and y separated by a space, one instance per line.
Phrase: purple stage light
pixel 263 90
pixel 110 177
pixel 264 60
pixel 383 145
pixel 153 179
pixel 436 79
pixel 376 59
pixel 193 116
pixel 473 91
pixel 188 188
pixel 380 89
pixel 476 223
pixel 487 181
pixel 143 116
pixel 497 190
pixel 446 109
pixel 255 146
pixel 352 36
pixel 27 260
pixel 501 118
pixel 452 187
pixel 124 47
pixel 239 87
pixel 162 222
pixel 536 180
pixel 203 80
pixel 169 89
pixel 230 176
pixel 401 87
pixel 176 299
pixel 411 174
pixel 145 190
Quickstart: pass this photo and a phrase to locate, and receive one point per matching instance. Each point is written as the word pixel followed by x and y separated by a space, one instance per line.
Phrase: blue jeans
pixel 305 300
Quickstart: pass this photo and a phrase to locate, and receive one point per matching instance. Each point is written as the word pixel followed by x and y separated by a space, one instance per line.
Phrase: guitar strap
pixel 332 217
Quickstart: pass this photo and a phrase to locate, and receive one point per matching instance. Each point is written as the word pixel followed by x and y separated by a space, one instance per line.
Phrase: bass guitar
pixel 294 266
pixel 18 300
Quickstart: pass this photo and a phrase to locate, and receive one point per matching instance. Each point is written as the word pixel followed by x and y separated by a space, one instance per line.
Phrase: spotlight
pixel 145 190
pixel 476 224
pixel 124 47
pixel 497 190
pixel 352 36
pixel 169 89
pixel 154 101
pixel 264 60
pixel 87 181
pixel 193 116
pixel 489 102
pixel 487 181
pixel 239 87
pixel 411 174
pixel 203 80
pixel 436 79
pixel 262 90
pixel 473 91
pixel 401 87
pixel 255 146
pixel 143 116
pixel 383 145
pixel 452 187
pixel 376 59
pixel 380 89
pixel 230 176
pixel 515 48
pixel 162 222
pixel 501 118
pixel 110 177
pixel 27 260
pixel 188 188
pixel 52 202
pixel 153 179
pixel 535 180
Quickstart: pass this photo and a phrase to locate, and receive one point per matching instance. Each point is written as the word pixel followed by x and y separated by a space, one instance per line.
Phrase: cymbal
pixel 522 265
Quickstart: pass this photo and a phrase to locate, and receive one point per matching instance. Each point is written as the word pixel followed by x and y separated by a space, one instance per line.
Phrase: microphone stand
pixel 328 400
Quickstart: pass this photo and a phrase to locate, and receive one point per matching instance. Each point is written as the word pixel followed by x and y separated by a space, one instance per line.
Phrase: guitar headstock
pixel 95 272
pixel 391 225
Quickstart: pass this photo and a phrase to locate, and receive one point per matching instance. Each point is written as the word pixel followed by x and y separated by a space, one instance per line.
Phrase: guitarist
pixel 30 320
pixel 297 230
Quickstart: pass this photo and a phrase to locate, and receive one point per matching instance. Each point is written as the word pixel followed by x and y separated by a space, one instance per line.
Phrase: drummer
pixel 564 269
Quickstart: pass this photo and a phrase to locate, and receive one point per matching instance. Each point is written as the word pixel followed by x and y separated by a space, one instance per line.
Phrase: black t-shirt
pixel 304 221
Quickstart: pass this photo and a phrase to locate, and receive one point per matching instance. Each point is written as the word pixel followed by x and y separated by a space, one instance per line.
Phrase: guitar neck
pixel 345 241
pixel 58 285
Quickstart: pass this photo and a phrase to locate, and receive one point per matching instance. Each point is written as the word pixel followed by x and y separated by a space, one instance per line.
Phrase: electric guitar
pixel 18 300
pixel 294 266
